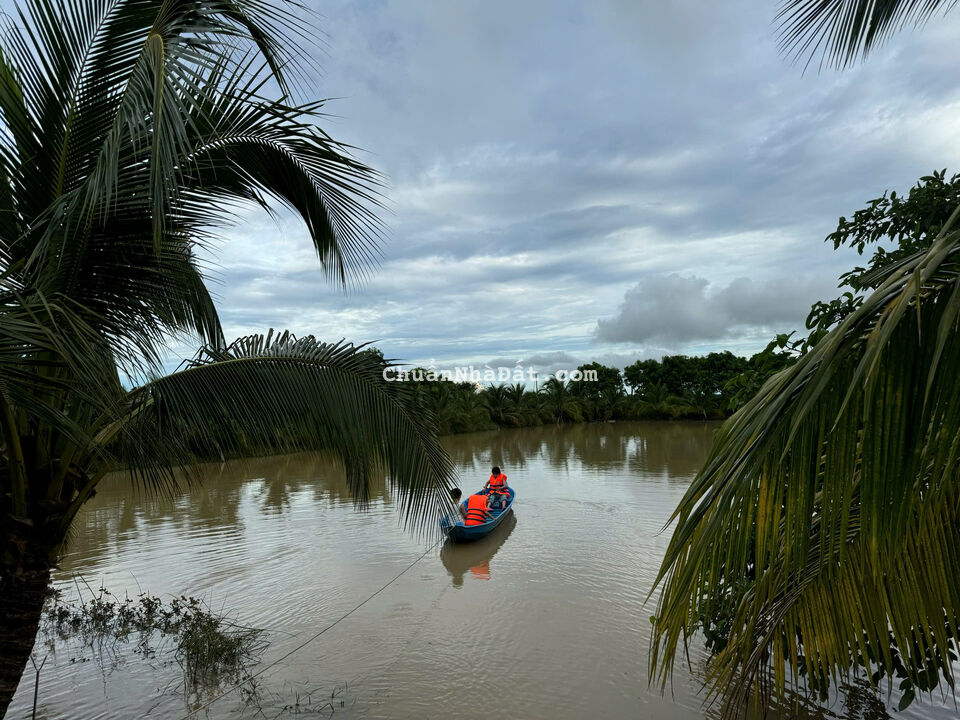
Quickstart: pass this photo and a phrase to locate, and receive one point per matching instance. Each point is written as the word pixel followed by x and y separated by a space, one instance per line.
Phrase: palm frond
pixel 282 393
pixel 133 127
pixel 247 148
pixel 48 353
pixel 842 32
pixel 832 494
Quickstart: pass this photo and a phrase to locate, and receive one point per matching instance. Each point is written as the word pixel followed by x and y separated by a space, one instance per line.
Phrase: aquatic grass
pixel 295 699
pixel 210 648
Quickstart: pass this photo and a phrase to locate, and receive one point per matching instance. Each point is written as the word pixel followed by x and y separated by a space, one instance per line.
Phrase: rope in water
pixel 309 640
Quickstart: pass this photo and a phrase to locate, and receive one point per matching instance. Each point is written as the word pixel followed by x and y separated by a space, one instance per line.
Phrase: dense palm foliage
pixel 826 517
pixel 820 539
pixel 895 229
pixel 130 130
pixel 676 387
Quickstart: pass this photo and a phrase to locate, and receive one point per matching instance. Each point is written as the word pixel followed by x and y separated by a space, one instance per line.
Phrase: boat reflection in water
pixel 461 558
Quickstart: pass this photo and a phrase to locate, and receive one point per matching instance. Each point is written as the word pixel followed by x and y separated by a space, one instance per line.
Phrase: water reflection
pixel 279 542
pixel 474 557
pixel 213 505
pixel 670 449
pixel 223 507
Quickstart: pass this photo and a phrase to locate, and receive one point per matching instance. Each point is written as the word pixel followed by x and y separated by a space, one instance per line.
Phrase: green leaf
pixel 906 699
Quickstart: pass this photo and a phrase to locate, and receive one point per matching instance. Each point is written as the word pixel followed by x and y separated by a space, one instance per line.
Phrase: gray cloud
pixel 674 309
pixel 543 157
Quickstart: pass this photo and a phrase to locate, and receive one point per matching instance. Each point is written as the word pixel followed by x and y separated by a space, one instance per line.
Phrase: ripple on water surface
pixel 543 619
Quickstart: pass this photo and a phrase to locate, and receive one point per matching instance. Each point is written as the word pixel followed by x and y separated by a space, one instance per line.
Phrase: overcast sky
pixel 573 181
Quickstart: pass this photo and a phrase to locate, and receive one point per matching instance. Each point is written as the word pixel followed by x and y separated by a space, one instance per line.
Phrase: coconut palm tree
pixel 827 517
pixel 559 403
pixel 518 402
pixel 470 409
pixel 440 401
pixel 129 131
pixel 525 404
pixel 656 398
pixel 496 398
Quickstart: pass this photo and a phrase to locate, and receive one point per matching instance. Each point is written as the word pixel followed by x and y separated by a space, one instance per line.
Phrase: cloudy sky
pixel 602 180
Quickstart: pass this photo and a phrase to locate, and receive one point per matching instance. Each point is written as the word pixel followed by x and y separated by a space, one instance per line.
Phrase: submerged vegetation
pixel 216 656
pixel 209 647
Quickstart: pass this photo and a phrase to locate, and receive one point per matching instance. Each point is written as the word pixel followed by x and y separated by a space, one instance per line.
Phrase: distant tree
pixel 642 375
pixel 515 394
pixel 778 355
pixel 658 398
pixel 559 404
pixel 609 382
pixel 524 404
pixel 717 370
pixel 471 409
pixel 502 410
pixel 704 378
pixel 598 398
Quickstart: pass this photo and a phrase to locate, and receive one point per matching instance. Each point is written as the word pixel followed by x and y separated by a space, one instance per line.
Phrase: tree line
pixel 676 387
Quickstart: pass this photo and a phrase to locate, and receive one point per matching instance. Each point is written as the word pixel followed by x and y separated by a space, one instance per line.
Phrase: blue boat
pixel 458 532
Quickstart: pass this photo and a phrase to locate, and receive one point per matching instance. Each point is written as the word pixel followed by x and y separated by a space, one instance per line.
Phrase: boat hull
pixel 458 532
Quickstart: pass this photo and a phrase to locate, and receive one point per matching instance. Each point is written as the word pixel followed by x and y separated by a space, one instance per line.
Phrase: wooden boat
pixel 458 532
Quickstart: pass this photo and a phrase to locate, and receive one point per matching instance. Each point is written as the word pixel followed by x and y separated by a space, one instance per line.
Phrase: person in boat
pixel 456 495
pixel 478 509
pixel 497 487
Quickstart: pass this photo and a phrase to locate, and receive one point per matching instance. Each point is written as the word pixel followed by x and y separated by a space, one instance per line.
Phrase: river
pixel 545 619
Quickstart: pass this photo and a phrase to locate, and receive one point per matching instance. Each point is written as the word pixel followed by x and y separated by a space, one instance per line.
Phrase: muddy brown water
pixel 546 618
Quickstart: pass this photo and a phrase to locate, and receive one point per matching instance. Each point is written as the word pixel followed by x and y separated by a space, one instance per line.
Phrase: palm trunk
pixel 21 604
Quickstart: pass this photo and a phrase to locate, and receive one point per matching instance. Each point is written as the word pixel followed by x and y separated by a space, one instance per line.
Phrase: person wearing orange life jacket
pixel 497 487
pixel 477 510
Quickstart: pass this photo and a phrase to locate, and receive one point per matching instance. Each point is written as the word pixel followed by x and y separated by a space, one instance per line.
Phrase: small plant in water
pixel 208 646
pixel 318 701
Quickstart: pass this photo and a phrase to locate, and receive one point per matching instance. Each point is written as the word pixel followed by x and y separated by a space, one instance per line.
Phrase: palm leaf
pixel 282 393
pixel 842 32
pixel 148 116
pixel 832 494
pixel 130 131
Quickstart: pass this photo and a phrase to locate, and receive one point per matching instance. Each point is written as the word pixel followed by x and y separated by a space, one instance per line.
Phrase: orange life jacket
pixel 477 510
pixel 498 484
